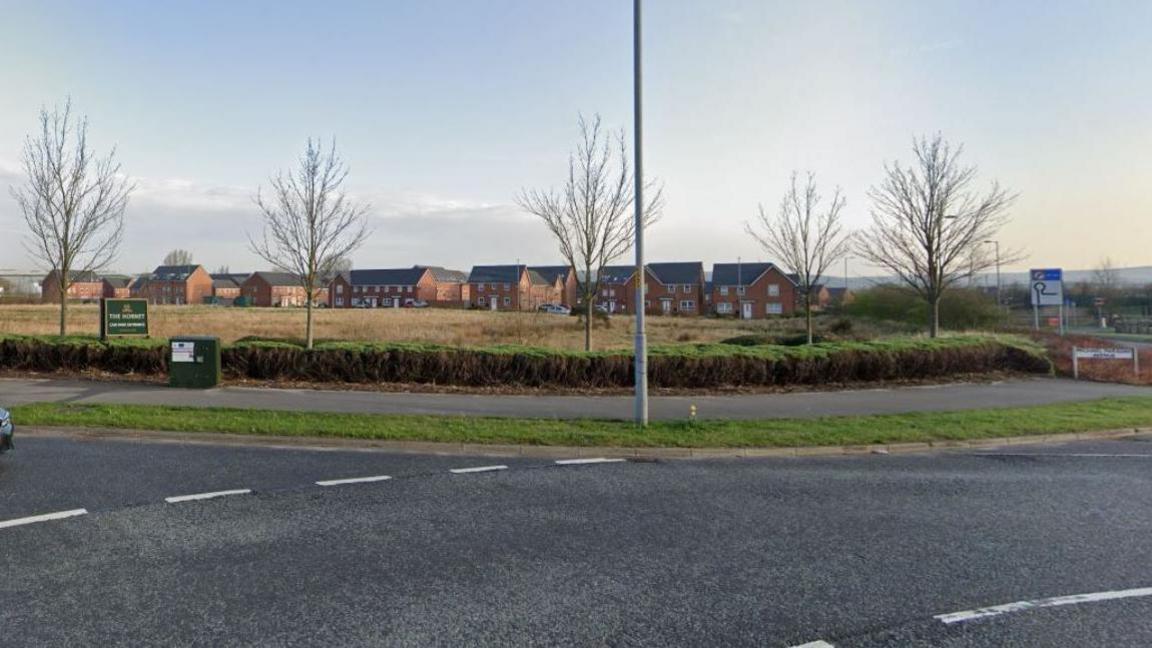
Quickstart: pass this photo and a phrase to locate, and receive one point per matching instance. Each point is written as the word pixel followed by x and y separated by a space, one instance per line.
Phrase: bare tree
pixel 178 258
pixel 72 201
pixel 1105 278
pixel 591 216
pixel 928 223
pixel 223 270
pixel 310 224
pixel 806 237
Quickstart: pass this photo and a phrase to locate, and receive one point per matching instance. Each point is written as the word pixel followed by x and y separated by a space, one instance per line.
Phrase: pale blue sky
pixel 444 110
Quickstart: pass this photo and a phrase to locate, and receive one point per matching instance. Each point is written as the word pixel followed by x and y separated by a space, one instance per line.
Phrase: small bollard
pixel 692 413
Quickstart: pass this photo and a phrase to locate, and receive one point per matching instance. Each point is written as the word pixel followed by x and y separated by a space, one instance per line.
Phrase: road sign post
pixel 1047 289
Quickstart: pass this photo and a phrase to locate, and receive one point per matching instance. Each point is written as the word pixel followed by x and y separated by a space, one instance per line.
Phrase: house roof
pixel 78 276
pixel 173 272
pixel 684 272
pixel 385 276
pixel 225 281
pixel 497 274
pixel 836 293
pixel 117 281
pixel 278 278
pixel 741 274
pixel 444 275
pixel 617 274
pixel 552 273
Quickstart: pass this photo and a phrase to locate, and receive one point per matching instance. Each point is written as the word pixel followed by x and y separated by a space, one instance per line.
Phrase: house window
pixel 507 286
pixel 339 289
pixel 493 286
pixel 647 303
pixel 339 301
pixel 507 300
pixel 687 288
pixel 480 300
pixel 481 287
pixel 687 304
pixel 604 292
pixel 357 289
pixel 773 290
pixel 774 308
pixel 724 308
pixel 741 290
pixel 612 292
pixel 408 289
pixel 724 290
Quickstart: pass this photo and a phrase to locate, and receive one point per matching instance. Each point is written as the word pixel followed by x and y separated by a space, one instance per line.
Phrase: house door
pixel 746 310
pixel 395 302
pixel 665 306
pixel 494 302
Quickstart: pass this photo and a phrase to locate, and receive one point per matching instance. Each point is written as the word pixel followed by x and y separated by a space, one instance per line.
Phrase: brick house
pixel 752 290
pixel 84 286
pixel 266 289
pixel 510 287
pixel 188 284
pixel 563 280
pixel 116 287
pixel 226 287
pixel 672 289
pixel 398 287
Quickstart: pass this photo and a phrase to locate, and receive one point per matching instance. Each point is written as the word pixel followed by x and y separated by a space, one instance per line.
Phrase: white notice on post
pixel 183 352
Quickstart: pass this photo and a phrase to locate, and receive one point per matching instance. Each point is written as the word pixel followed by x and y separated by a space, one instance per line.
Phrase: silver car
pixel 6 430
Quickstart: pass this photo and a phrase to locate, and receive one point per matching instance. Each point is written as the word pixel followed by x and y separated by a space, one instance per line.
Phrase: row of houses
pixel 744 290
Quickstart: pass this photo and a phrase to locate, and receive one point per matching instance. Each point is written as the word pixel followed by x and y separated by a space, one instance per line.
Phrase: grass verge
pixel 1111 413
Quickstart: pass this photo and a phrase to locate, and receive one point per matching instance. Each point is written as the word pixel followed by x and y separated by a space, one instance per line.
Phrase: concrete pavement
pixel 851 551
pixel 1012 393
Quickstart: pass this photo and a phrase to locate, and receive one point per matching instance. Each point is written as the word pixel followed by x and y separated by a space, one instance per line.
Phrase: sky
pixel 446 110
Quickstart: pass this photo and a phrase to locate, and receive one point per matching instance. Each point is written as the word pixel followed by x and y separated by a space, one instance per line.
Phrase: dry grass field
pixel 442 326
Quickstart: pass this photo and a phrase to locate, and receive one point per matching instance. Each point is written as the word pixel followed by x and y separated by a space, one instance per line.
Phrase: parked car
pixel 415 303
pixel 6 431
pixel 555 309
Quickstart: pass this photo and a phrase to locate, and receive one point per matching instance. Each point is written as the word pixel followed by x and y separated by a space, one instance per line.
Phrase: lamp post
pixel 846 259
pixel 641 350
pixel 999 287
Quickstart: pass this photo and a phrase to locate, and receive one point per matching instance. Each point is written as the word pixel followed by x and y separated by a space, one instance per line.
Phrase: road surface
pixel 1014 393
pixel 849 551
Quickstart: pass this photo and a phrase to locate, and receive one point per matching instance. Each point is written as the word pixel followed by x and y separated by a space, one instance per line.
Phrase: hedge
pixel 679 366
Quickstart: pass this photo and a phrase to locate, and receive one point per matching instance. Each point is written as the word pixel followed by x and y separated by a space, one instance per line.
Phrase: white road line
pixel 815 644
pixel 203 496
pixel 46 517
pixel 1082 455
pixel 591 460
pixel 1019 606
pixel 354 480
pixel 477 469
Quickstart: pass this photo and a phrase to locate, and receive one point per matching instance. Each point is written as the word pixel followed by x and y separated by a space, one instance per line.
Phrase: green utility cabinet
pixel 194 362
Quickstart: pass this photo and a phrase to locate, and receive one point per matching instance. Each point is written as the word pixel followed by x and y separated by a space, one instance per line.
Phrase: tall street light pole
pixel 641 351
pixel 999 288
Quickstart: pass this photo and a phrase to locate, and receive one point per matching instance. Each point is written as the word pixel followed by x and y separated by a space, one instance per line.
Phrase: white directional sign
pixel 1104 354
pixel 1047 287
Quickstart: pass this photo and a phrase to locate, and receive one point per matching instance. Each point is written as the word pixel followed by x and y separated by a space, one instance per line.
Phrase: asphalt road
pixel 852 551
pixel 1034 391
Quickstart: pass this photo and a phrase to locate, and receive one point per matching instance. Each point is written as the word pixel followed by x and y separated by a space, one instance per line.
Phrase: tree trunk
pixel 934 329
pixel 63 308
pixel 587 326
pixel 308 307
pixel 808 316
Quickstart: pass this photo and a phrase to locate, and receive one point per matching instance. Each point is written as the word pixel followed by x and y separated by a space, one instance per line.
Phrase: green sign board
pixel 123 317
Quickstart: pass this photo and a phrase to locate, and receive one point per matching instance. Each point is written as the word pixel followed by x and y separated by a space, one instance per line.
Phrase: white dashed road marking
pixel 354 480
pixel 592 460
pixel 46 517
pixel 1019 606
pixel 477 469
pixel 815 644
pixel 203 496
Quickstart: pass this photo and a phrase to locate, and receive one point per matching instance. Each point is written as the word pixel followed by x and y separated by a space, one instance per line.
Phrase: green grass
pixel 1112 413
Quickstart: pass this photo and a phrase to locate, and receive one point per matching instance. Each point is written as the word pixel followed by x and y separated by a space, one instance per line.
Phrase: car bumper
pixel 6 432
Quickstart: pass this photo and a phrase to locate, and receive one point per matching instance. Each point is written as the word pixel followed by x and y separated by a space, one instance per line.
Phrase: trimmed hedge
pixel 683 366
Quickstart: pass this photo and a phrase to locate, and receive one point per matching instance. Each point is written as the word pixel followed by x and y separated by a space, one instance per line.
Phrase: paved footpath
pixel 111 543
pixel 1013 393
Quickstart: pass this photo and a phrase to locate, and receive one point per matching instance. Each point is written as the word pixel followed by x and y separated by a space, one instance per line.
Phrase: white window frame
pixel 481 301
pixel 481 288
pixel 339 289
pixel 773 290
pixel 774 308
pixel 741 290
pixel 507 300
pixel 724 308
pixel 724 290
pixel 687 304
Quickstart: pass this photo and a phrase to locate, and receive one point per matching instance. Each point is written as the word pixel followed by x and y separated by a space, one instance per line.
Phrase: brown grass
pixel 441 326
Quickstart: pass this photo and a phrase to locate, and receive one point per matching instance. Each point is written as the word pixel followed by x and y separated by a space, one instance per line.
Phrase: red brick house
pixel 510 287
pixel 226 287
pixel 672 289
pixel 267 289
pixel 563 280
pixel 188 284
pixel 752 290
pixel 398 287
pixel 84 286
pixel 116 287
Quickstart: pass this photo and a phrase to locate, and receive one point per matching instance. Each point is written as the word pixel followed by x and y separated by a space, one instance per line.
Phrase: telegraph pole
pixel 641 351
